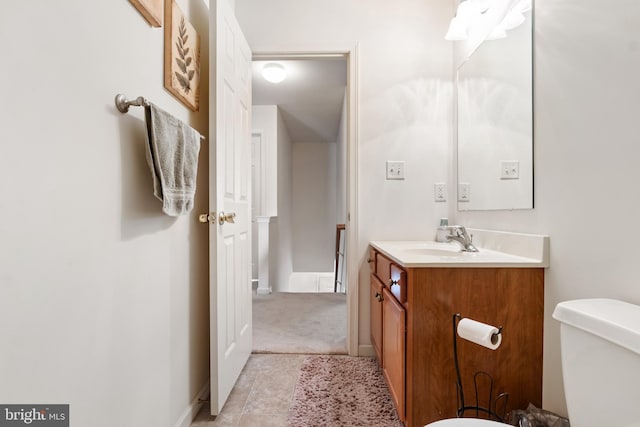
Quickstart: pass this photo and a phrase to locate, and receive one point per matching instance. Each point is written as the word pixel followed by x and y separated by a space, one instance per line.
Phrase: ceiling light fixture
pixel 274 72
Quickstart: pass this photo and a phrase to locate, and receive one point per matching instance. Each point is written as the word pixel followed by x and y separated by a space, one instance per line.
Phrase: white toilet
pixel 600 345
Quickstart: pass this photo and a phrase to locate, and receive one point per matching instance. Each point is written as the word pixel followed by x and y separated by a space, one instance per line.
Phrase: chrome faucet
pixel 460 235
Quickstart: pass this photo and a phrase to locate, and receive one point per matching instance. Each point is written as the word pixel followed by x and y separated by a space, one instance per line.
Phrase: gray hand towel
pixel 172 155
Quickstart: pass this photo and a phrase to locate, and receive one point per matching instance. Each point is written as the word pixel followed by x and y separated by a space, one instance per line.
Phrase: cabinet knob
pixel 378 297
pixel 369 260
pixel 392 282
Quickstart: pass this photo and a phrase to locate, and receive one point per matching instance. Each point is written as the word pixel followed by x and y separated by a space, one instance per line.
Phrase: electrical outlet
pixel 395 169
pixel 440 191
pixel 464 192
pixel 509 169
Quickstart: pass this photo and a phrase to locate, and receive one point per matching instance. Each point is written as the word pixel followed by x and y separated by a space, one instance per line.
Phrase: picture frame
pixel 151 10
pixel 181 57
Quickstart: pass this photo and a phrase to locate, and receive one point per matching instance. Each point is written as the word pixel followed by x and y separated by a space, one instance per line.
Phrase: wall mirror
pixel 495 116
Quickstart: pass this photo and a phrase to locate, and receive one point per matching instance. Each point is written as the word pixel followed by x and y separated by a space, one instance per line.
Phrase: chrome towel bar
pixel 123 104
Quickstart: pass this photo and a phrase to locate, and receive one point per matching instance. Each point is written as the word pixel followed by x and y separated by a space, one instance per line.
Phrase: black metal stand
pixel 491 412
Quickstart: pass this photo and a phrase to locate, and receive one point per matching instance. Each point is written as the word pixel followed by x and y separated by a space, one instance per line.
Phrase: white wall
pixel 264 119
pixel 341 166
pixel 277 191
pixel 103 299
pixel 306 205
pixel 314 206
pixel 404 97
pixel 283 225
pixel 587 62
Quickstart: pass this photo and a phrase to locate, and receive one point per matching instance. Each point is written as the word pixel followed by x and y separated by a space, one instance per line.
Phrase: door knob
pixel 207 218
pixel 227 217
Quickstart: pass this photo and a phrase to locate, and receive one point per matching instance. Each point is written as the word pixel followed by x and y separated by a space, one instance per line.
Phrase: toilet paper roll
pixel 480 333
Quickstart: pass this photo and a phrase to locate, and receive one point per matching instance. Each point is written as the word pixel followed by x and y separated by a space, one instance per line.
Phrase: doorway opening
pixel 302 133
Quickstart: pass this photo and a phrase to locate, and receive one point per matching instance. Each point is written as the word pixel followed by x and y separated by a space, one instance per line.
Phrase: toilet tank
pixel 600 345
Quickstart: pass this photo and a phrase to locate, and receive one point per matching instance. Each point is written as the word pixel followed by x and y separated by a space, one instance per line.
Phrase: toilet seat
pixel 465 422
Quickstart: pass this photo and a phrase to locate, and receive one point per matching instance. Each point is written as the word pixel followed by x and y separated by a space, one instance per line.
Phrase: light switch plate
pixel 440 191
pixel 509 169
pixel 464 192
pixel 395 169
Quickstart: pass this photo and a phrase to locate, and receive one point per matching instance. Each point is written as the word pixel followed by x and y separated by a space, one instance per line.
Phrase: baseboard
pixel 366 350
pixel 310 282
pixel 262 291
pixel 194 407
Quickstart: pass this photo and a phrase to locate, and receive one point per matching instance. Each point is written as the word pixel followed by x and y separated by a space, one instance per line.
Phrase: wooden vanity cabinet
pixel 414 333
pixel 388 324
pixel 394 349
pixel 376 291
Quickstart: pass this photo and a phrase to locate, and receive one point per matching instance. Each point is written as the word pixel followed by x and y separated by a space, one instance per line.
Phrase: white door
pixel 229 193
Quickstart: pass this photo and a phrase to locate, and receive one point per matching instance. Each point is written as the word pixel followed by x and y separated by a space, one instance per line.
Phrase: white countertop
pixel 516 251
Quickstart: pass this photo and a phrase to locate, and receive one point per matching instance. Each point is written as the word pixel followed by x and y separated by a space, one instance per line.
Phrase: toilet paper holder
pixel 492 409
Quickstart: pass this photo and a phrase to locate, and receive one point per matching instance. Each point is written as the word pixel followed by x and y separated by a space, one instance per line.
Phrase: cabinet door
pixel 393 349
pixel 376 316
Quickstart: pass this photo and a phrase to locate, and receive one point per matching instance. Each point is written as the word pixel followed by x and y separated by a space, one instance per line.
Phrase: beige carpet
pixel 305 323
pixel 337 391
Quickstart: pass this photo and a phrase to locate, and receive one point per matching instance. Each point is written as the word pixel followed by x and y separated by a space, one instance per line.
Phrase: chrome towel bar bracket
pixel 123 104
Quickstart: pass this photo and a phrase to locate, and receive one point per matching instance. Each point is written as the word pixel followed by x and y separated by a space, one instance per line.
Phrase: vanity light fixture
pixel 274 72
pixel 457 30
pixel 459 24
pixel 468 10
pixel 514 18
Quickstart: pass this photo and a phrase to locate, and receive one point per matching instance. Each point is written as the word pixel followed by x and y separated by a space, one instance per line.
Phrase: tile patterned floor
pixel 262 395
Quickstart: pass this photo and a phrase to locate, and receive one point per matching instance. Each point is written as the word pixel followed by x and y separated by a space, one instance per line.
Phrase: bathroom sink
pixel 495 249
pixel 436 249
pixel 427 247
pixel 434 252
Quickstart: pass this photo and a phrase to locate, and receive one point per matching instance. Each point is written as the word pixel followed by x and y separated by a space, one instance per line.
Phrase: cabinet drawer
pixel 372 260
pixel 383 268
pixel 390 274
pixel 398 283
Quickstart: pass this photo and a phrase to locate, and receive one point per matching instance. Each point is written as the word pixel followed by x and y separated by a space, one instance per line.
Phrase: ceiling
pixel 310 98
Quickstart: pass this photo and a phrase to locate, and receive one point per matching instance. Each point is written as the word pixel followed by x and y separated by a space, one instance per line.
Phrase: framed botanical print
pixel 181 57
pixel 152 10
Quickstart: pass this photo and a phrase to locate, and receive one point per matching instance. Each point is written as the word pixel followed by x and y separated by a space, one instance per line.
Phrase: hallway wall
pixel 283 225
pixel 341 166
pixel 313 196
pixel 301 179
pixel 264 119
pixel 277 189
pixel 103 298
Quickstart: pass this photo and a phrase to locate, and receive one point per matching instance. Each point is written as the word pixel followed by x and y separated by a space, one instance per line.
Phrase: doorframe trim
pixel 351 55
